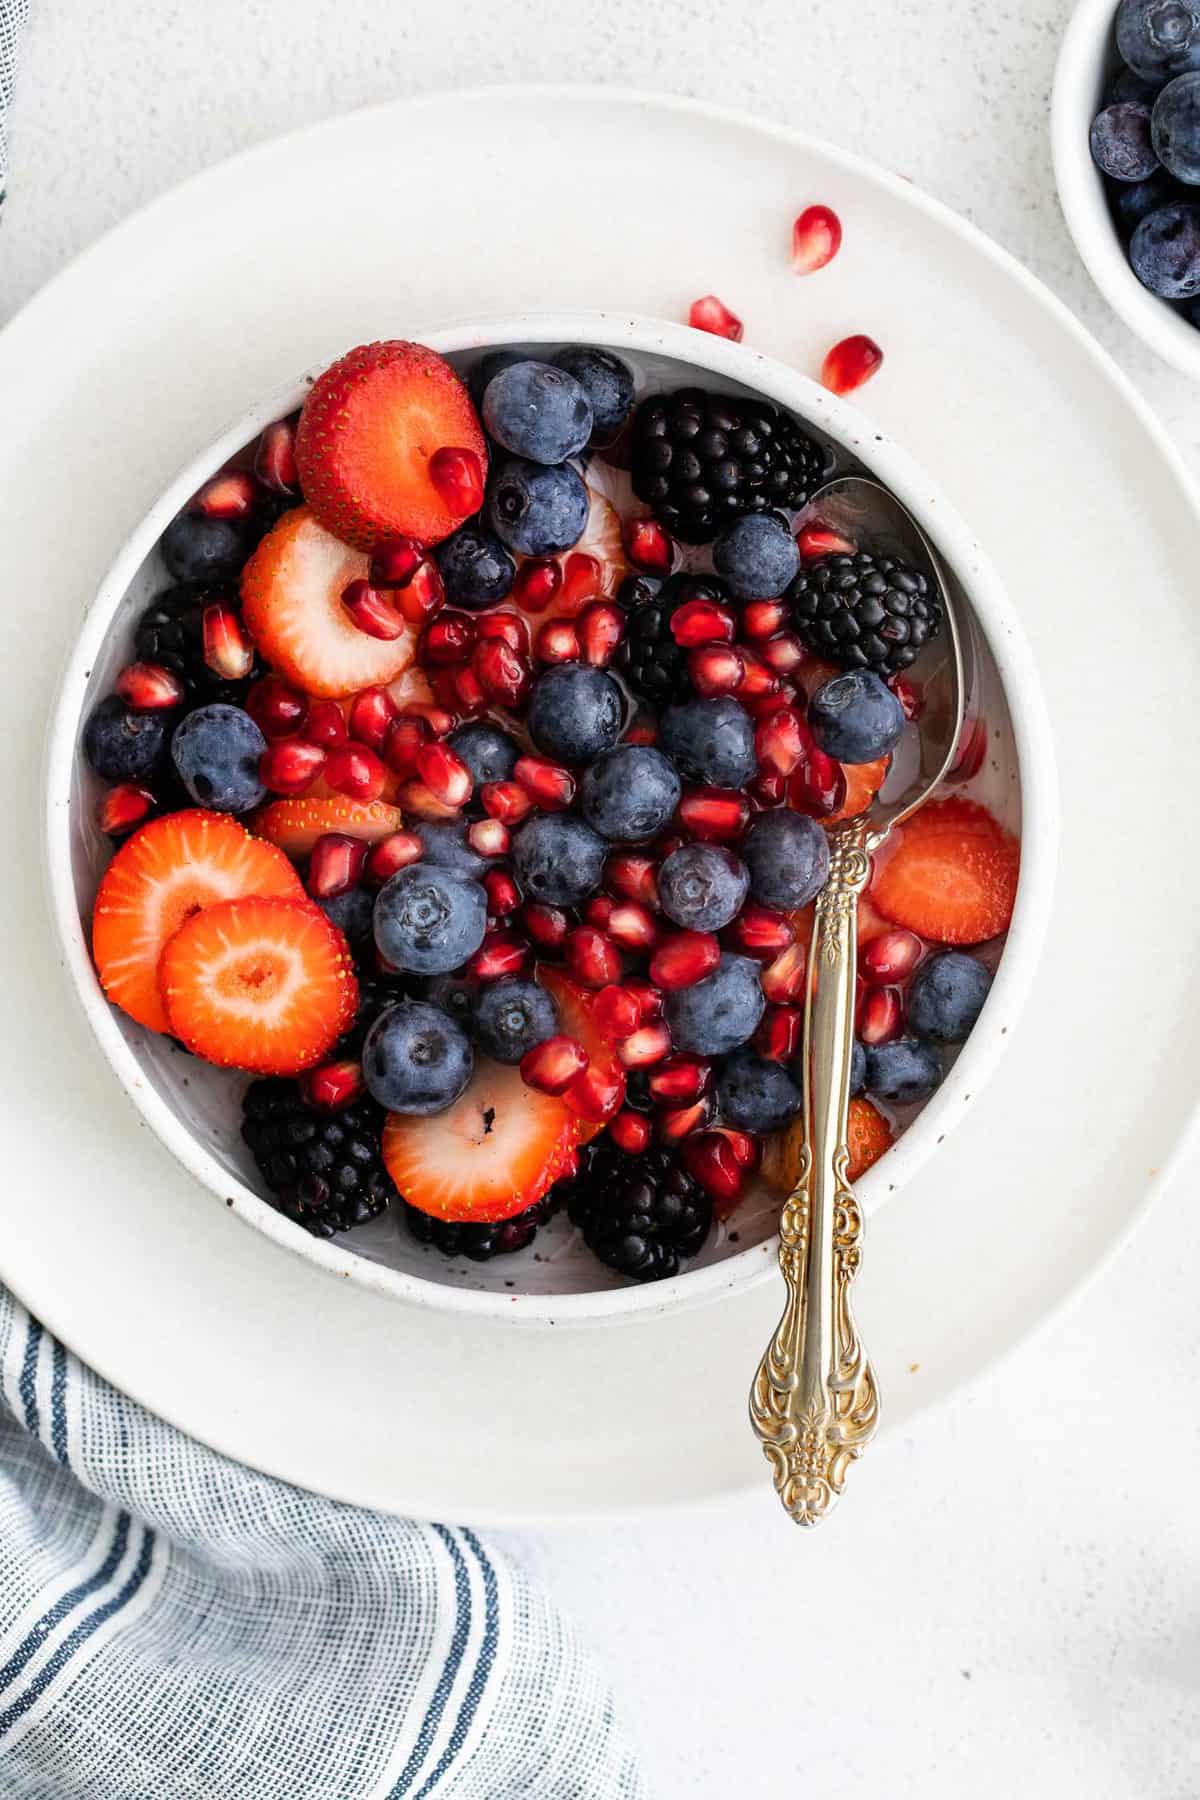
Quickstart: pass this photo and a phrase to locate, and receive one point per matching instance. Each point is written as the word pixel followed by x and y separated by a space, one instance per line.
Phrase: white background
pixel 1009 1598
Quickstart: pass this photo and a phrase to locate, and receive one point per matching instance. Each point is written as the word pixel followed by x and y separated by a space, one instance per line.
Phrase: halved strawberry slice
pixel 369 428
pixel 164 873
pixel 266 985
pixel 951 876
pixel 490 1155
pixel 295 825
pixel 292 605
pixel 577 1018
pixel 868 1135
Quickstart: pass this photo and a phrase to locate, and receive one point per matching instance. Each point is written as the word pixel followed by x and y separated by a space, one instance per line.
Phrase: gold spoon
pixel 815 1403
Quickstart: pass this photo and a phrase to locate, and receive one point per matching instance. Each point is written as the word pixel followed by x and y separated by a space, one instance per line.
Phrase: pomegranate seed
pixel 709 1159
pixel 630 1132
pixel 488 837
pixel 892 956
pixel 768 789
pixel 782 981
pixel 392 854
pixel 763 618
pixel 468 692
pixel 598 1093
pixel 583 579
pixel 416 798
pixel 599 910
pixel 440 722
pixel 818 786
pixel 230 495
pixel 616 1012
pixel 548 783
pixel 335 865
pixel 423 595
pixel 372 612
pixel 326 725
pixel 557 642
pixel 125 806
pixel 684 958
pixel 779 1033
pixel 148 687
pixel 715 669
pixel 275 458
pixel 458 477
pixel 509 627
pixel 373 712
pixel 816 239
pixel 714 813
pixel 972 749
pixel 680 1078
pixel 592 957
pixel 818 540
pixel 710 314
pixel 552 1065
pixel 632 926
pixel 449 639
pixel 643 730
pixel 277 709
pixel 501 953
pixel 536 582
pixel 632 876
pixel 503 673
pixel 760 931
pixel 781 740
pixel 783 652
pixel 851 362
pixel 702 622
pixel 910 695
pixel 648 998
pixel 674 1123
pixel 649 547
pixel 228 651
pixel 290 766
pixel 747 1151
pixel 647 1045
pixel 757 679
pixel 355 771
pixel 760 706
pixel 547 925
pixel 335 1085
pixel 668 843
pixel 445 774
pixel 405 740
pixel 506 801
pixel 880 1015
pixel 503 894
pixel 601 628
pixel 395 560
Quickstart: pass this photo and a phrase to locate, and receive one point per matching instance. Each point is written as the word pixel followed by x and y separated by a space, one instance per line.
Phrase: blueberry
pixel 702 887
pixel 535 510
pixel 475 566
pixel 1132 200
pixel 710 740
pixel 444 844
pixel 491 365
pixel 1120 141
pixel 856 717
pixel 606 381
pixel 123 745
pixel 1176 128
pixel 557 858
pixel 1165 252
pixel 755 1095
pixel 537 411
pixel 947 996
pixel 416 1059
pixel 216 752
pixel 903 1071
pixel 198 549
pixel 353 913
pixel 757 556
pixel 1159 38
pixel 488 752
pixel 453 994
pixel 512 1016
pixel 575 712
pixel 1126 85
pixel 858 1068
pixel 715 1015
pixel 630 794
pixel 787 855
pixel 428 919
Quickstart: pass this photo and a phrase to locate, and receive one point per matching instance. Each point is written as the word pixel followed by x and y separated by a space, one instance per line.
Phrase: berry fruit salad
pixel 469 785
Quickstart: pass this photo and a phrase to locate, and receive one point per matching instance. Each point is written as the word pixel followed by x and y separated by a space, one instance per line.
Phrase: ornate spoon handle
pixel 814 1403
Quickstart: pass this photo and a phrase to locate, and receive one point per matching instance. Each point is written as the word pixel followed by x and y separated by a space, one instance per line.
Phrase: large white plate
pixel 394 220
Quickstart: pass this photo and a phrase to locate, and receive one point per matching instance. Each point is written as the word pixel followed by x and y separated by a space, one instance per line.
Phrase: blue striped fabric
pixel 174 1626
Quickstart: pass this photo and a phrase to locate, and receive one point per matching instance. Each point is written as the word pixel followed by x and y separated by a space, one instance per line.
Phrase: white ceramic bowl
pixel 193 1107
pixel 1086 62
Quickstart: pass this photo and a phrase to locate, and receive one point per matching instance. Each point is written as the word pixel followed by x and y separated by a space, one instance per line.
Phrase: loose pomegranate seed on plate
pixel 782 739
pixel 277 708
pixel 880 1015
pixel 684 958
pixel 504 896
pixel 890 957
pixel 711 813
pixel 783 979
pixel 649 1044
pixel 598 1093
pixel 850 363
pixel 373 713
pixel 506 801
pixel 647 997
pixel 547 925
pixel 335 865
pixel 395 560
pixel 393 853
pixel 148 687
pixel 632 876
pixel 630 1132
pixel 423 595
pixel 557 642
pixel 290 766
pixel 228 651
pixel 779 1035
pixel 817 540
pixel 632 925
pixel 488 837
pixel 372 612
pixel 233 494
pixel 680 1079
pixel 763 618
pixel 712 315
pixel 334 1085
pixel 702 622
pixel 448 639
pixel 508 626
pixel 709 1159
pixel 536 583
pixel 548 783
pixel 458 477
pixel 552 1065
pixel 583 579
pixel 592 957
pixel 816 239
pixel 649 546
pixel 275 458
pixel 125 806
pixel 761 931
pixel 355 771
pixel 501 953
pixel 326 725
pixel 715 669
pixel 600 628
pixel 503 672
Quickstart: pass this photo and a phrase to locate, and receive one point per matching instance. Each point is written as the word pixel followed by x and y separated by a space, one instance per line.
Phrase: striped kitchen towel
pixel 175 1627
pixel 13 15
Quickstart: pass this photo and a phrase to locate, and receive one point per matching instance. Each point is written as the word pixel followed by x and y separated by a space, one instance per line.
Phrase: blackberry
pixel 638 1097
pixel 325 1170
pixel 171 632
pixel 651 662
pixel 375 993
pixel 481 1242
pixel 639 1214
pixel 702 460
pixel 864 611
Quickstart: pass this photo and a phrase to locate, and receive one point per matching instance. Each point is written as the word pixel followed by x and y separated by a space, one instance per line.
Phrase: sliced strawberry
pixel 863 782
pixel 292 605
pixel 577 1018
pixel 490 1155
pixel 867 1132
pixel 164 873
pixel 255 984
pixel 951 876
pixel 411 688
pixel 295 825
pixel 370 427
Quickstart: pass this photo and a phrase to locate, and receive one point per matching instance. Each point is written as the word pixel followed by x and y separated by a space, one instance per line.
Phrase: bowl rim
pixel 1006 641
pixel 1084 58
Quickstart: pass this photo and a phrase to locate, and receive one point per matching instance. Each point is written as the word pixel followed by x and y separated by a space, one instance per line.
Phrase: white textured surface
pixel 1008 1599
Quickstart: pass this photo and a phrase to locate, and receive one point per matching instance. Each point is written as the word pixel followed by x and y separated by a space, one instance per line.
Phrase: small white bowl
pixel 1086 62
pixel 193 1107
